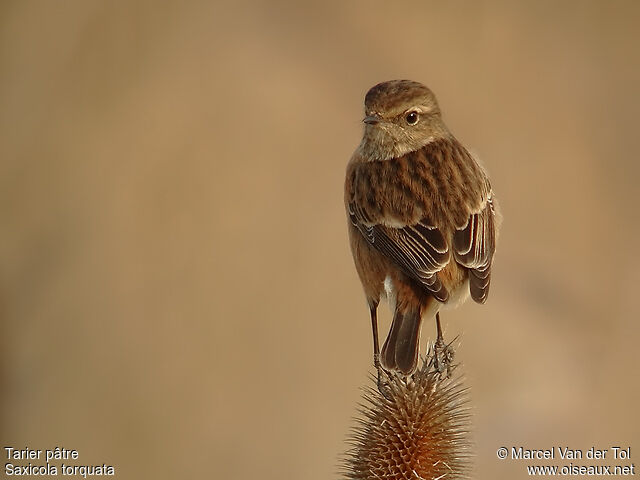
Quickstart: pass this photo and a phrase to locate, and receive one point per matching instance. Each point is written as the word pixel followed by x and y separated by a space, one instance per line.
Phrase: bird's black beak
pixel 371 119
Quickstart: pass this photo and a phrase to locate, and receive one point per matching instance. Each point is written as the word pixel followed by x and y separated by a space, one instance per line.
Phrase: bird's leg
pixel 442 353
pixel 373 310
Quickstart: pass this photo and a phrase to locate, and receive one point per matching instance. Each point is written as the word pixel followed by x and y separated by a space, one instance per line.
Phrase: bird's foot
pixel 384 386
pixel 443 354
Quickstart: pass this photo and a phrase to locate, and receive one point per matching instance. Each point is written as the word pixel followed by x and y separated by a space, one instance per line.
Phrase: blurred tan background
pixel 177 295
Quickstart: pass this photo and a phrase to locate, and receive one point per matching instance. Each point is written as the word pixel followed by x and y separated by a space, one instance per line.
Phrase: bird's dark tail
pixel 400 351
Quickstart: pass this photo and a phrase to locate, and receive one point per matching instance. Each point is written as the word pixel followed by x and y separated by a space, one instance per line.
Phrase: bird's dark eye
pixel 412 117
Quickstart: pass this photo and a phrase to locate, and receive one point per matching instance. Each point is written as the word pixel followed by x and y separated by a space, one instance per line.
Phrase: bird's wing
pixel 420 249
pixel 474 245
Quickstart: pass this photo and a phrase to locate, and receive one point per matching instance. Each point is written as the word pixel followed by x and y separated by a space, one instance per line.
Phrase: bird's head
pixel 401 116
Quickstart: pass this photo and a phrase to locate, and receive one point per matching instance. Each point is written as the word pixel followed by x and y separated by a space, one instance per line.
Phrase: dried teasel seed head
pixel 417 429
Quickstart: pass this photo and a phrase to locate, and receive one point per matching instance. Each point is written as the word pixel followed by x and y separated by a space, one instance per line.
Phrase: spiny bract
pixel 418 429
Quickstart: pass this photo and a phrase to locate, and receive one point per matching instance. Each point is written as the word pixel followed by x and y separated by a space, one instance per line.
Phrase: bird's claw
pixel 383 386
pixel 443 357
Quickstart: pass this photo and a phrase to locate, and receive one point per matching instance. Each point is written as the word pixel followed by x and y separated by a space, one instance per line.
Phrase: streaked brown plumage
pixel 421 216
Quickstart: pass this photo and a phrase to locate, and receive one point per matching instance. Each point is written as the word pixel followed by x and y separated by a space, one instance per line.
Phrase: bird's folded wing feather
pixel 473 247
pixel 419 249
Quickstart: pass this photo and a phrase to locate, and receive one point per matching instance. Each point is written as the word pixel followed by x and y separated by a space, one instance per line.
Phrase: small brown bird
pixel 422 221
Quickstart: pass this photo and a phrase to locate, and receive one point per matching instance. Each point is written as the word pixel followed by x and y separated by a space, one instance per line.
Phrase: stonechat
pixel 421 216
